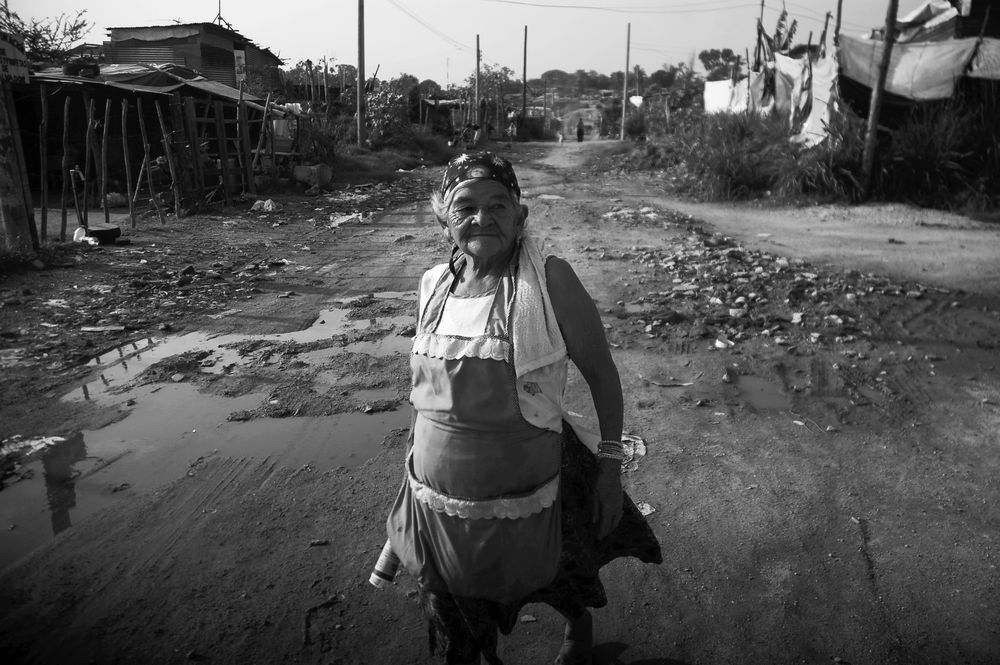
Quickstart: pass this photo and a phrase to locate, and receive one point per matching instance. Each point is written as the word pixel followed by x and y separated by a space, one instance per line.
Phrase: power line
pixel 446 38
pixel 698 8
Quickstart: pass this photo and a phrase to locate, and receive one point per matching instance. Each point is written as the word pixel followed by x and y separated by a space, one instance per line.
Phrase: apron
pixel 478 513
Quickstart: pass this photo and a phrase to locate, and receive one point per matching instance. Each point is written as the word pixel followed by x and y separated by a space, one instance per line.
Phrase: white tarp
pixel 738 96
pixel 824 94
pixel 726 96
pixel 791 89
pixel 922 71
pixel 986 63
pixel 717 95
pixel 932 21
pixel 761 101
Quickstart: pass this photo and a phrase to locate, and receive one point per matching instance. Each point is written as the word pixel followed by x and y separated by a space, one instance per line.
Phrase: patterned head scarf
pixel 479 166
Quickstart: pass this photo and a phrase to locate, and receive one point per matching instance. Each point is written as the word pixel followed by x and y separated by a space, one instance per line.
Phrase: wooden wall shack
pixel 174 149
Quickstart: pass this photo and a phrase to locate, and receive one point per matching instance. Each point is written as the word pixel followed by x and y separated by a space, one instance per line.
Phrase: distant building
pixel 218 53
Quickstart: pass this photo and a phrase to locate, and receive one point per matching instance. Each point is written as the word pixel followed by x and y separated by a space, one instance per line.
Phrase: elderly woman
pixel 502 504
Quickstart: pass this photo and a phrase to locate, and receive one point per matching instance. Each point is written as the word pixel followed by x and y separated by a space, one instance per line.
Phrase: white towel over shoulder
pixel 535 331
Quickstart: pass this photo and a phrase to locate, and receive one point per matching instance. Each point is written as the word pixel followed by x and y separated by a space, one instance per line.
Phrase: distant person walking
pixel 511 133
pixel 579 130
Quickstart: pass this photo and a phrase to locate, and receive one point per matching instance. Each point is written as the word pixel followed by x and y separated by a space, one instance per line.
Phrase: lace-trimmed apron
pixel 478 515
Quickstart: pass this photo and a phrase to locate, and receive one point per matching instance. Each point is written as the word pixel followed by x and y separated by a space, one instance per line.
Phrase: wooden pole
pixel 478 59
pixel 66 175
pixel 836 26
pixel 361 73
pixel 875 108
pixel 500 120
pixel 524 79
pixel 148 161
pixel 244 127
pixel 181 146
pixel 220 128
pixel 128 163
pixel 43 155
pixel 168 151
pixel 17 225
pixel 263 129
pixel 138 181
pixel 822 39
pixel 239 138
pixel 191 123
pixel 89 138
pixel 104 161
pixel 628 48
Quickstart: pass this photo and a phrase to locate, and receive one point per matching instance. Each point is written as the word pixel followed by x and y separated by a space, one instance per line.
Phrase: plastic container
pixel 385 568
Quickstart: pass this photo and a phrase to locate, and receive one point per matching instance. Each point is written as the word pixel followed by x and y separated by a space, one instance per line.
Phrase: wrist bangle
pixel 608 449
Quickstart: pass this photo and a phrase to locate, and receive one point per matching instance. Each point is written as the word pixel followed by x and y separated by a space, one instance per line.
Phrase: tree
pixel 664 78
pixel 48 41
pixel 430 88
pixel 557 78
pixel 718 64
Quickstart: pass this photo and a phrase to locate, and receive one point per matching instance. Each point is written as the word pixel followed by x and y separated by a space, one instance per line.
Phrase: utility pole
pixel 628 47
pixel 361 73
pixel 478 53
pixel 524 79
pixel 875 108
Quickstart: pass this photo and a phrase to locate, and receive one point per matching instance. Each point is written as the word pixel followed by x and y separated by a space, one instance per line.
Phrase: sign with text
pixel 13 64
pixel 240 58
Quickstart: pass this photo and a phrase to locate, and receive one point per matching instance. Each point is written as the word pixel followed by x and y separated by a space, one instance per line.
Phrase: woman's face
pixel 483 219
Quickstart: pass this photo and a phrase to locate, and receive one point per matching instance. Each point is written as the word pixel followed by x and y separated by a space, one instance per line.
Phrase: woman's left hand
pixel 608 497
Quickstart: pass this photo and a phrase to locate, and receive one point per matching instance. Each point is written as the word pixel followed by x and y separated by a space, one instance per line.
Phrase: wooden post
pixel 191 125
pixel 17 233
pixel 104 160
pixel 43 155
pixel 66 175
pixel 148 161
pixel 875 108
pixel 239 141
pixel 836 26
pixel 244 126
pixel 822 38
pixel 361 73
pixel 19 153
pixel 180 144
pixel 220 128
pixel 628 48
pixel 524 79
pixel 128 163
pixel 89 138
pixel 138 181
pixel 478 56
pixel 260 138
pixel 169 153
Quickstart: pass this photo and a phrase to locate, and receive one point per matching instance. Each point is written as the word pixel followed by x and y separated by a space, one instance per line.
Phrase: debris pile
pixel 723 290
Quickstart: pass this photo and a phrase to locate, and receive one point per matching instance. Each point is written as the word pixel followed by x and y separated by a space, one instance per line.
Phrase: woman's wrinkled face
pixel 484 220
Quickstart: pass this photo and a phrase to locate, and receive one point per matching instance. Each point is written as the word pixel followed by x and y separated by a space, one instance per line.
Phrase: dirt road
pixel 821 435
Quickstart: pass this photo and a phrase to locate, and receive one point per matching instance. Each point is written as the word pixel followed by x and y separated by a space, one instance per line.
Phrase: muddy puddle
pixel 761 394
pixel 170 428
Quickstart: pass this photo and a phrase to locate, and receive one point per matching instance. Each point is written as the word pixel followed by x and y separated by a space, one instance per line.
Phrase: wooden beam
pixel 169 153
pixel 128 163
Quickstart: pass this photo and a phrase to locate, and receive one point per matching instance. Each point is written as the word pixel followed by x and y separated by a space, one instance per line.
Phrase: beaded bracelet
pixel 608 449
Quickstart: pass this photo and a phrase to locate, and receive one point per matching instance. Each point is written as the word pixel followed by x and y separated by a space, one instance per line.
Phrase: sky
pixel 436 39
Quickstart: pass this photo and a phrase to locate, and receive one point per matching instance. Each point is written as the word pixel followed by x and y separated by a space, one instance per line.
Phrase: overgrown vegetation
pixel 946 156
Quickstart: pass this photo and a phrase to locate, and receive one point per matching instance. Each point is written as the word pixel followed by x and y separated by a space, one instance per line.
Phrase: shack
pixel 217 52
pixel 157 133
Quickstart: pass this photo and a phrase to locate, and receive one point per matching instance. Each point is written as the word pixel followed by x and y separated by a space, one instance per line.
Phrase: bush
pixel 944 156
pixel 947 156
